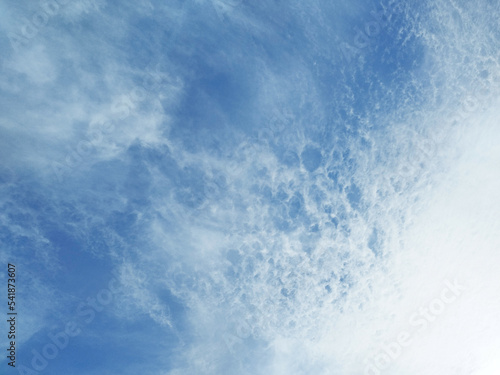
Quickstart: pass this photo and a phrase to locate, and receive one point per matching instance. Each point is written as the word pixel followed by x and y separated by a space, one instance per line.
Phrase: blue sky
pixel 236 187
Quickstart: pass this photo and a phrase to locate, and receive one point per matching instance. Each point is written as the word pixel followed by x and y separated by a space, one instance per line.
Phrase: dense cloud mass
pixel 237 187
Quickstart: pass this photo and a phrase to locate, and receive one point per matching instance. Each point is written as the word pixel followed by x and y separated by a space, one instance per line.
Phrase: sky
pixel 235 187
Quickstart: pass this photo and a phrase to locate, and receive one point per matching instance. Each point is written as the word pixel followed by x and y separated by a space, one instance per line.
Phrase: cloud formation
pixel 277 188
